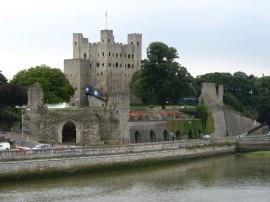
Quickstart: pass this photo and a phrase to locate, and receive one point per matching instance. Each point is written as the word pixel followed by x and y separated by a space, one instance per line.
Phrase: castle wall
pixel 237 124
pixel 145 128
pixel 226 122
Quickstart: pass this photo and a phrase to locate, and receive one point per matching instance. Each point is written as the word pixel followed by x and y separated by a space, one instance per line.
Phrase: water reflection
pixel 227 178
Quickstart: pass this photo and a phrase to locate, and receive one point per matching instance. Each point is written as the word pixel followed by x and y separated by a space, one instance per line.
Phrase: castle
pixel 103 67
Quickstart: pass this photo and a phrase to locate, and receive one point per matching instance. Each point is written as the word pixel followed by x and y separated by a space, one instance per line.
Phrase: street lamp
pixel 172 132
pixel 23 123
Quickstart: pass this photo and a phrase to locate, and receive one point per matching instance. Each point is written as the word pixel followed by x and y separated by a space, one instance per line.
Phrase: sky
pixel 209 35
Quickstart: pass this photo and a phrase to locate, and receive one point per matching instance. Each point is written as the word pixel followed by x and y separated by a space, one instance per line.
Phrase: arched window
pixel 137 137
pixel 152 136
pixel 166 135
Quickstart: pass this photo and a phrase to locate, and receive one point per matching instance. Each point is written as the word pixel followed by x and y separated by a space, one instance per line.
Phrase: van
pixel 4 146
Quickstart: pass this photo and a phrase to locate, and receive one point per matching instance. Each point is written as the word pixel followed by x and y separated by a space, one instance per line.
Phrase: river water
pixel 225 178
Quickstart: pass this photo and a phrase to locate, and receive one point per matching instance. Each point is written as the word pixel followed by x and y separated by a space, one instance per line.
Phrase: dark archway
pixel 178 135
pixel 166 135
pixel 69 132
pixel 152 136
pixel 137 137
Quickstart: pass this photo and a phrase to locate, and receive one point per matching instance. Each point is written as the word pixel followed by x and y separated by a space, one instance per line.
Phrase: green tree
pixel 9 115
pixel 56 86
pixel 3 79
pixel 202 113
pixel 161 78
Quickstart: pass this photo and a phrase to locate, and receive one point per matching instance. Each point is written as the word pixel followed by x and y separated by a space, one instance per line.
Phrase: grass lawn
pixel 259 154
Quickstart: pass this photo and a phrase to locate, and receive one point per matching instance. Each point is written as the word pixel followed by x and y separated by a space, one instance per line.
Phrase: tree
pixel 56 86
pixel 9 115
pixel 161 78
pixel 202 113
pixel 12 95
pixel 3 79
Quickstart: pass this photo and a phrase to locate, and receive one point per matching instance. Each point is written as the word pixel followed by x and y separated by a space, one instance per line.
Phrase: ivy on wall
pixel 191 127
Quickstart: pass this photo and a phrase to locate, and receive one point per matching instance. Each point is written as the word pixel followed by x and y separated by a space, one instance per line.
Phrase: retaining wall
pixel 38 163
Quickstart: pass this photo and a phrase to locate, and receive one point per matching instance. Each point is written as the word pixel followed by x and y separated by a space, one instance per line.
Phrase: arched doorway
pixel 152 136
pixel 137 137
pixel 178 135
pixel 166 135
pixel 69 133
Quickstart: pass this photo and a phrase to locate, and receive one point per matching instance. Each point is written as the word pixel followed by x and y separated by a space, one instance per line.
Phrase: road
pixel 17 137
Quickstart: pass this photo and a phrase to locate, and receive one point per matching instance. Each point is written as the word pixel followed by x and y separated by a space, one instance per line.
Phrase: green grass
pixel 259 154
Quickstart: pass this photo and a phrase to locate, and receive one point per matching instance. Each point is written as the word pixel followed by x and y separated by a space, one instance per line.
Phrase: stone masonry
pixel 106 66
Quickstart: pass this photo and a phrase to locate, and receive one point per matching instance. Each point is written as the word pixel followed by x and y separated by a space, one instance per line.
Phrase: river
pixel 228 178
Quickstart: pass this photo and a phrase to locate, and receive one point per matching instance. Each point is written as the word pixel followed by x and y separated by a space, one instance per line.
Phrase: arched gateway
pixel 69 132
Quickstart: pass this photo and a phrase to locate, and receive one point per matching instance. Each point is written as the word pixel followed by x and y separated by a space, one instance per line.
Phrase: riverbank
pixel 50 163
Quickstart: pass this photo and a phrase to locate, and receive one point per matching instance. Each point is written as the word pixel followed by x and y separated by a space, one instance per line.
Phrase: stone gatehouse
pixel 79 126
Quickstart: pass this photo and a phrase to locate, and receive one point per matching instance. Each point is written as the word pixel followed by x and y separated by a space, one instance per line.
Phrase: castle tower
pixel 106 66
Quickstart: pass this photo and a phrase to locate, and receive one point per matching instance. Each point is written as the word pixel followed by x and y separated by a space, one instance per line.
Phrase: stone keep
pixel 106 65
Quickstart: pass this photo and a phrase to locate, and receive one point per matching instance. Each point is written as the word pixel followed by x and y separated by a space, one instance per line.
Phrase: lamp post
pixel 22 125
pixel 172 124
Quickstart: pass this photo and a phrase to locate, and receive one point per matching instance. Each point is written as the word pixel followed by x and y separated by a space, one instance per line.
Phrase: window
pixel 116 55
pixel 109 64
pixel 97 64
pixel 138 43
pixel 84 55
pixel 103 53
pixel 128 55
pixel 75 43
pixel 116 64
pixel 108 40
pixel 109 53
pixel 102 64
pixel 90 65
pixel 128 65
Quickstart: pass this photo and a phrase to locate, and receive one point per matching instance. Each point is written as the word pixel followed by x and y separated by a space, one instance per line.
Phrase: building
pixel 103 67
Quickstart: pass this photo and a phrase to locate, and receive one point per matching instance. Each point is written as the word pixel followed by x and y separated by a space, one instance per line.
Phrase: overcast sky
pixel 209 35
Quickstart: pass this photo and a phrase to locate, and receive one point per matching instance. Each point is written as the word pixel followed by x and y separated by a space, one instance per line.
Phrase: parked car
pixel 23 150
pixel 41 146
pixel 268 133
pixel 206 137
pixel 4 146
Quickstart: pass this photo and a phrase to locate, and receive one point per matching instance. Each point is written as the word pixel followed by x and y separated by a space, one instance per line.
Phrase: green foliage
pixel 234 102
pixel 9 115
pixel 3 79
pixel 161 79
pixel 210 127
pixel 202 113
pixel 190 127
pixel 56 86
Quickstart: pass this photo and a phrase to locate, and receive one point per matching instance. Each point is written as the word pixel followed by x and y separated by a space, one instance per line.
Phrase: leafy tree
pixel 9 115
pixel 12 95
pixel 3 79
pixel 202 113
pixel 56 86
pixel 161 78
